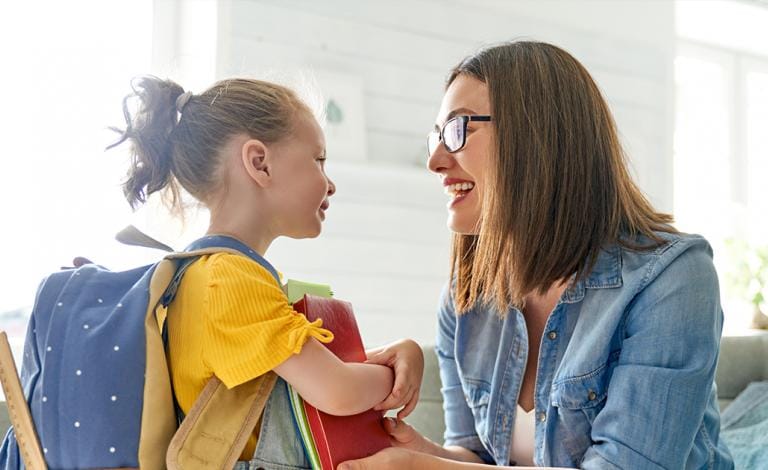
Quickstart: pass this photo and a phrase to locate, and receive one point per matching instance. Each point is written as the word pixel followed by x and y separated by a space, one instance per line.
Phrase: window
pixel 64 75
pixel 721 144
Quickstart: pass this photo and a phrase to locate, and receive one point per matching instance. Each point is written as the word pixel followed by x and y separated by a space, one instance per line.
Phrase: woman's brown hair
pixel 558 187
pixel 176 136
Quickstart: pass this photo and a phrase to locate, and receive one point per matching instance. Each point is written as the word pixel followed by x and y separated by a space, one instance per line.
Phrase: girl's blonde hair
pixel 177 137
pixel 558 187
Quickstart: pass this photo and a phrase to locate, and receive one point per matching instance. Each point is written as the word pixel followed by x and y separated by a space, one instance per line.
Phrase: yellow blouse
pixel 230 318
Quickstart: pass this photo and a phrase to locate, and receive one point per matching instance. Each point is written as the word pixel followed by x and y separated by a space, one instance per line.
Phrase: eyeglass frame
pixel 465 118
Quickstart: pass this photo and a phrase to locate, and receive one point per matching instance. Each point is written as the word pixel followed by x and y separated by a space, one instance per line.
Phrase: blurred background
pixel 687 81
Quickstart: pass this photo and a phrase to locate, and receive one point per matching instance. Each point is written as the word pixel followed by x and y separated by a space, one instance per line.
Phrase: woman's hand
pixel 403 435
pixel 391 457
pixel 411 450
pixel 407 360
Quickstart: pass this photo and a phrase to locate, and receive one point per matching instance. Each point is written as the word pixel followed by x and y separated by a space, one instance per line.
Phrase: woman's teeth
pixel 457 189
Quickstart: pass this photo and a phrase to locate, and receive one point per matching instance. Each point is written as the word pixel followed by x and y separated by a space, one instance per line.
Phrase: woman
pixel 579 329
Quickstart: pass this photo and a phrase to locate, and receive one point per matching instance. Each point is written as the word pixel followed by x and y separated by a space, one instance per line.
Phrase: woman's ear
pixel 257 162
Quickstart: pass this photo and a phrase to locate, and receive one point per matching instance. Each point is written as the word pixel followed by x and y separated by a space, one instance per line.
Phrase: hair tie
pixel 182 101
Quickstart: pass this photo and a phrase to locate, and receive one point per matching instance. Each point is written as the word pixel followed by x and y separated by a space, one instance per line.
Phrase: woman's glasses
pixel 453 134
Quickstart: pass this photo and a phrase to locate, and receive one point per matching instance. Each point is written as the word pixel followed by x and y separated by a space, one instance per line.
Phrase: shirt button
pixel 552 335
pixel 592 395
pixel 542 416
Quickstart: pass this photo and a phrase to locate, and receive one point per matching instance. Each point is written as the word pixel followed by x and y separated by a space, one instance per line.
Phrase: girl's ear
pixel 257 162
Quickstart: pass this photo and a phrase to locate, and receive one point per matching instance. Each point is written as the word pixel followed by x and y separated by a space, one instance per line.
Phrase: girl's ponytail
pixel 171 149
pixel 149 131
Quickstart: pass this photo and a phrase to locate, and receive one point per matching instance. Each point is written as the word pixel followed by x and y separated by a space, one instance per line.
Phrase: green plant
pixel 748 276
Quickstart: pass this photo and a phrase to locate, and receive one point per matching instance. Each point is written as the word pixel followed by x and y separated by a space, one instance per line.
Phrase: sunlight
pixel 60 191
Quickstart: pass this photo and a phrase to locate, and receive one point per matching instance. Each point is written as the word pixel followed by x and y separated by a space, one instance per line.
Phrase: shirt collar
pixel 605 274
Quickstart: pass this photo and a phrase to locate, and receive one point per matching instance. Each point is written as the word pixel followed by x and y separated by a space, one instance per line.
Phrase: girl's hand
pixel 407 360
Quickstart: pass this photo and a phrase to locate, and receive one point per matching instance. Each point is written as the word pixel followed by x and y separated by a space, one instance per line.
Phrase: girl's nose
pixel 331 187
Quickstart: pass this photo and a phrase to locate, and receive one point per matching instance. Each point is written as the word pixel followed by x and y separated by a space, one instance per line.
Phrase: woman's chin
pixel 462 226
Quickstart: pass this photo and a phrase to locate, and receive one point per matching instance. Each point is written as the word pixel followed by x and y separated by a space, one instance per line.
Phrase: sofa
pixel 743 359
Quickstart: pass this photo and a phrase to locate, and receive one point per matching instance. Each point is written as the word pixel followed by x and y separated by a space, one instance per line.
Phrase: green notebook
pixel 295 291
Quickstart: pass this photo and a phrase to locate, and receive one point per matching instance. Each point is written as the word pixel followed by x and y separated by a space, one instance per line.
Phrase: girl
pixel 579 329
pixel 253 154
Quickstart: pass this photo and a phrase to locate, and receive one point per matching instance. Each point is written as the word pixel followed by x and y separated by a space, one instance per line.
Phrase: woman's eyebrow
pixel 454 113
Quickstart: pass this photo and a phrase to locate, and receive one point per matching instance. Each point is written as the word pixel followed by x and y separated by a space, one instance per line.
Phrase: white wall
pixel 385 245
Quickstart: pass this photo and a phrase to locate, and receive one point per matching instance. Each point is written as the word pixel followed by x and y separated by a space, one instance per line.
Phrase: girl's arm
pixel 333 386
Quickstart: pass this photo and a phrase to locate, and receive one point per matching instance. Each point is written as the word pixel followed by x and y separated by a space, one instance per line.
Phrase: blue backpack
pixel 94 371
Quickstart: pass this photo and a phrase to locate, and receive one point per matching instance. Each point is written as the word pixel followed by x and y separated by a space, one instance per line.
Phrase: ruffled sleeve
pixel 249 326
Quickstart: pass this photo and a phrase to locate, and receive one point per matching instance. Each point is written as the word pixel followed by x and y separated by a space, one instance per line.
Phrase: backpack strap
pixel 221 420
pixel 216 243
pixel 218 426
pixel 158 417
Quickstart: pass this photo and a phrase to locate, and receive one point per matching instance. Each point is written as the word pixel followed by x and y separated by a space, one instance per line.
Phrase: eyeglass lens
pixel 453 135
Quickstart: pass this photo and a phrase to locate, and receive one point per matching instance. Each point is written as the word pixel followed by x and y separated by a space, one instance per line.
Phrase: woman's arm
pixel 413 450
pixel 333 386
pixel 460 433
pixel 660 388
pixel 396 458
pixel 406 437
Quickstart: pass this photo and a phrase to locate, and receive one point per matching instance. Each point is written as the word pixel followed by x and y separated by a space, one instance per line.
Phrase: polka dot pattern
pixel 97 314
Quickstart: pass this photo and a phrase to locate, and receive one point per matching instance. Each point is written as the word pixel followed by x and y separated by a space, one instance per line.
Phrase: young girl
pixel 254 155
pixel 579 329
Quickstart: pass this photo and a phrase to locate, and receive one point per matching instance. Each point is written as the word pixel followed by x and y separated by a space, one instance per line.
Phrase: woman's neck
pixel 544 303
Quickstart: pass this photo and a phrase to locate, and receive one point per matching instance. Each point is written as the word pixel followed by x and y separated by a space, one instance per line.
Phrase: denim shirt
pixel 626 367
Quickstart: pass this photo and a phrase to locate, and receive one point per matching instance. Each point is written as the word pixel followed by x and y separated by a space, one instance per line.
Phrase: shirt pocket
pixel 478 395
pixel 576 402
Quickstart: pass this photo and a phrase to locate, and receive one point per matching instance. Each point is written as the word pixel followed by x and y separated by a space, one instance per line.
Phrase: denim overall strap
pixel 224 241
pixel 279 446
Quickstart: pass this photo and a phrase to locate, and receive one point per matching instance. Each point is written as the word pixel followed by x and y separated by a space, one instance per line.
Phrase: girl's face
pixel 462 172
pixel 301 186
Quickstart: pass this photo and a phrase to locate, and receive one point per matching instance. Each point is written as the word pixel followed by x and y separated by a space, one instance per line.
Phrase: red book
pixel 341 438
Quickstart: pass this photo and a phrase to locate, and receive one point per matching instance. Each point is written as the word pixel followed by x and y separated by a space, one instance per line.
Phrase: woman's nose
pixel 331 187
pixel 439 160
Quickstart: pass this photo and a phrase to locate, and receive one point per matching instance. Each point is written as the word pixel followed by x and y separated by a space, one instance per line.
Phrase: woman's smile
pixel 458 189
